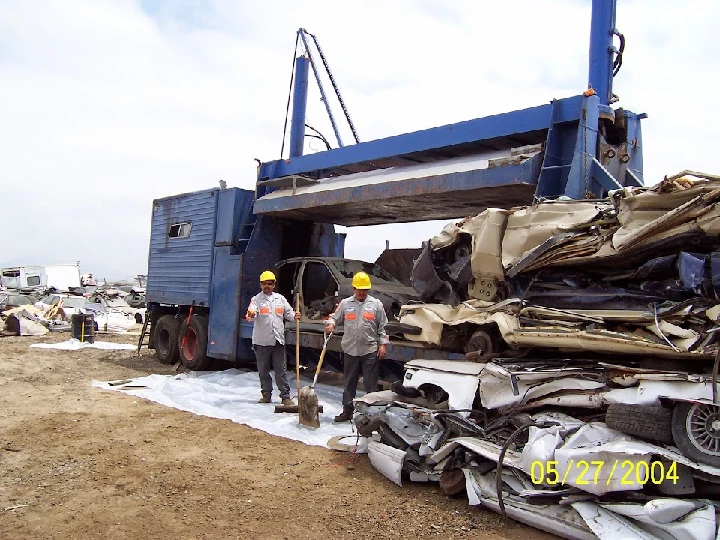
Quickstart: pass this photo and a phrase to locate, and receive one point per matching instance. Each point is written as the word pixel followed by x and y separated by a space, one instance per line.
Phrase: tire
pixel 696 431
pixel 166 332
pixel 644 421
pixel 193 352
pixel 452 482
pixel 482 341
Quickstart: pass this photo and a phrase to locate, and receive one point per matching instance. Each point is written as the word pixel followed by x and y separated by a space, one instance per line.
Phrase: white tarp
pixel 73 344
pixel 233 395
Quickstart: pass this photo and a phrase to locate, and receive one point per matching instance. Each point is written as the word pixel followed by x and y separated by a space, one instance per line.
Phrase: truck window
pixel 33 281
pixel 180 230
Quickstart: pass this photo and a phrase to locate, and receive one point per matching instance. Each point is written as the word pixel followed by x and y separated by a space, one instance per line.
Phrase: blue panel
pixel 179 269
pixel 263 252
pixel 579 184
pixel 481 129
pixel 325 242
pixel 234 206
pixel 634 140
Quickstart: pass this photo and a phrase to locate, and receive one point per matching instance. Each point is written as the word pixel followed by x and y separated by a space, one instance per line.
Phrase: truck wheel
pixel 193 352
pixel 696 431
pixel 166 339
pixel 644 421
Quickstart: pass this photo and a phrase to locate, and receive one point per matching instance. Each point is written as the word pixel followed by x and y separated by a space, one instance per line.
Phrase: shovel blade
pixel 308 407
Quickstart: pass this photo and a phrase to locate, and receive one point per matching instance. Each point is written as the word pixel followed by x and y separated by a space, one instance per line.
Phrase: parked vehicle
pixel 71 305
pixel 60 276
pixel 10 300
pixel 135 299
pixel 115 303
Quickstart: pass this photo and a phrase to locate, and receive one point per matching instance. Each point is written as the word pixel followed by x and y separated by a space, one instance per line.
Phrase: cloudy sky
pixel 106 105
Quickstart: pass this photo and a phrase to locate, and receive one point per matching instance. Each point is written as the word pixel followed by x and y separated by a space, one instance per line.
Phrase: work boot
pixel 343 417
pixel 287 402
pixel 264 399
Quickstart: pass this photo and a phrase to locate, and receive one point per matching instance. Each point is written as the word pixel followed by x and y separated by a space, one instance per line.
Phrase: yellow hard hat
pixel 361 281
pixel 267 275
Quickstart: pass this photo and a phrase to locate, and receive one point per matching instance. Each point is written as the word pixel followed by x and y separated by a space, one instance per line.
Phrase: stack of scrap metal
pixel 637 273
pixel 564 448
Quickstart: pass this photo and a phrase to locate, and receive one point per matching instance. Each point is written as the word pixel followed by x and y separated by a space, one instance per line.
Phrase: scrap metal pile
pixel 588 406
pixel 637 273
pixel 53 312
pixel 561 470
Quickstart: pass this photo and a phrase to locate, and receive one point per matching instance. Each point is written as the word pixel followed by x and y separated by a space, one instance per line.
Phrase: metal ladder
pixel 146 331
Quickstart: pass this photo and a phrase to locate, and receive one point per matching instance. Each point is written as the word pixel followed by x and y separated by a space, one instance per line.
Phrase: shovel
pixel 307 398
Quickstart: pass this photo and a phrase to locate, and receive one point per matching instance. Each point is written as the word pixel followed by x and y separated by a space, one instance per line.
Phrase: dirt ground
pixel 80 462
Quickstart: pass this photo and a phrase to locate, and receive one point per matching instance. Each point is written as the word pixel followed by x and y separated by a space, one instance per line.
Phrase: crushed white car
pixel 549 447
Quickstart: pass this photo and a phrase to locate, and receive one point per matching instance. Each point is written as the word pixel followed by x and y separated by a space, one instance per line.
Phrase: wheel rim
pixel 480 341
pixel 162 339
pixel 703 428
pixel 191 346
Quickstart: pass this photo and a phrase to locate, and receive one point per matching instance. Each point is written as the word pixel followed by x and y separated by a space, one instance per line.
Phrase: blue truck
pixel 208 248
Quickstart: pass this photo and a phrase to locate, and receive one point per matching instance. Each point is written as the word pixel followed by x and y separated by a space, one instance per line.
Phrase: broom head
pixel 308 407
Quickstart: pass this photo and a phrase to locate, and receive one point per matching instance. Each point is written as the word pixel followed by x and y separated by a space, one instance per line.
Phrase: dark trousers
pixel 368 364
pixel 272 357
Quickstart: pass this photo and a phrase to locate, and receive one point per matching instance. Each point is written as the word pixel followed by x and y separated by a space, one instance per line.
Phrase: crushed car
pixel 102 301
pixel 587 405
pixel 324 281
pixel 10 299
pixel 637 274
pixel 560 447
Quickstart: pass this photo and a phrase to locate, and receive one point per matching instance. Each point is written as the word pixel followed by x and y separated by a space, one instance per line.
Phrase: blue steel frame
pixel 572 126
pixel 297 125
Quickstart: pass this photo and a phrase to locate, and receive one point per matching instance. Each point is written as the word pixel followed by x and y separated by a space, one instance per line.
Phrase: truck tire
pixel 193 352
pixel 644 421
pixel 166 339
pixel 696 431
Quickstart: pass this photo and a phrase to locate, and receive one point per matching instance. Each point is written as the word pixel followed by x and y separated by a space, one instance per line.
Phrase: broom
pixel 295 408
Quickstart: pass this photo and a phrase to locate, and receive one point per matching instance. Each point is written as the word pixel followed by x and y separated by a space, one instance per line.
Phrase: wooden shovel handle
pixel 322 357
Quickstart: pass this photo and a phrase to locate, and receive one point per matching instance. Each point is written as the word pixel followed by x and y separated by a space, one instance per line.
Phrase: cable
pixel 498 470
pixel 335 87
pixel 318 136
pixel 353 455
pixel 617 64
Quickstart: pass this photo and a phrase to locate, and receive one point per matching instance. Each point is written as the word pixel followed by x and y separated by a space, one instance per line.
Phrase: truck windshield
pixel 349 268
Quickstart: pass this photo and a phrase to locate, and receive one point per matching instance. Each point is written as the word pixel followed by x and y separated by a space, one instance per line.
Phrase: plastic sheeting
pixel 73 344
pixel 233 395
